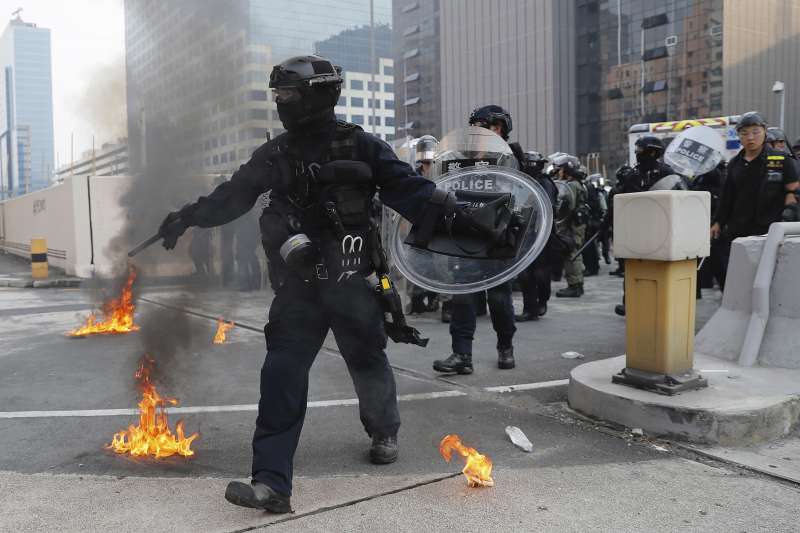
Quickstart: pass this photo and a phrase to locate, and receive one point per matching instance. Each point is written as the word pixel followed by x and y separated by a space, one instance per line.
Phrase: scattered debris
pixel 519 438
pixel 639 432
pixel 572 355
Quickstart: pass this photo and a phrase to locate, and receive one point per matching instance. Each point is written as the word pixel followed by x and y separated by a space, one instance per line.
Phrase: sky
pixel 88 58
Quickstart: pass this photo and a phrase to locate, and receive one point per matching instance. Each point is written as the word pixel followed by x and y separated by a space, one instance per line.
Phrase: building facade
pixel 520 55
pixel 197 73
pixel 110 160
pixel 26 109
pixel 417 42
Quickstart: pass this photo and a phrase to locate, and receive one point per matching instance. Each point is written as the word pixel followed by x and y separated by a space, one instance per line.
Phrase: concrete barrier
pixel 724 334
pixel 83 220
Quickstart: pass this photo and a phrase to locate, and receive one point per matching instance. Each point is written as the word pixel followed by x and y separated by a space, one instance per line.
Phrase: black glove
pixel 171 229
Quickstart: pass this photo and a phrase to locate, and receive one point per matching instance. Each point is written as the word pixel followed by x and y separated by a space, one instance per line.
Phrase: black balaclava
pixel 313 109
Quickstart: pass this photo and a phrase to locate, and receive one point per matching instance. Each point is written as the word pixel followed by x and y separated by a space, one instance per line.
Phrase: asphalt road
pixel 61 400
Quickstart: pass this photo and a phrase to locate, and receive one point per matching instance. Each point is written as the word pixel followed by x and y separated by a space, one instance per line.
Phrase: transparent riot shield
pixel 476 160
pixel 695 151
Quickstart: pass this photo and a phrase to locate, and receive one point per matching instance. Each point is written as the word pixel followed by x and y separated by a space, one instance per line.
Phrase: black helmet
pixel 533 161
pixel 751 118
pixel 650 142
pixel 492 114
pixel 306 89
pixel 426 147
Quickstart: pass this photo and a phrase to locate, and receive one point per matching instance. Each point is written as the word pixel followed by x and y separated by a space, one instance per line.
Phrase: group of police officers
pixel 328 269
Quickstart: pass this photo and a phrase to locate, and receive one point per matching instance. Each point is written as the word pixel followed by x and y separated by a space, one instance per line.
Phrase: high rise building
pixel 519 55
pixel 417 60
pixel 197 72
pixel 26 108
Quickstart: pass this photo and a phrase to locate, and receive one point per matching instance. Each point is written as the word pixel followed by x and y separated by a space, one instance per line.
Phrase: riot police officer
pixel 464 307
pixel 761 183
pixel 536 279
pixel 571 222
pixel 423 301
pixel 648 170
pixel 322 175
pixel 596 199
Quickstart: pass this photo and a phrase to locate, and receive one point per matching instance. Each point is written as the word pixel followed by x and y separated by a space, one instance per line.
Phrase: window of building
pixel 215 160
pixel 377 120
pixel 615 93
pixel 342 101
pixel 410 7
pixel 358 119
pixel 411 53
pixel 224 158
pixel 232 156
pixel 389 121
pixel 373 86
pixel 388 104
pixel 388 87
pixel 356 85
pixel 341 116
pixel 654 21
pixel 411 30
pixel 414 76
pixel 223 140
pixel 655 53
pixel 258 114
pixel 388 71
pixel 411 101
pixel 655 86
pixel 207 161
pixel 214 142
pixel 260 96
pixel 356 102
pixel 377 103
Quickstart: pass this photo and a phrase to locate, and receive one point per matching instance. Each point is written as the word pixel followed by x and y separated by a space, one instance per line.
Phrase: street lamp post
pixel 779 89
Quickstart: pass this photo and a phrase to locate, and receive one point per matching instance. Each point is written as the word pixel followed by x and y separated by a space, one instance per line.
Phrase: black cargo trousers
pixel 299 319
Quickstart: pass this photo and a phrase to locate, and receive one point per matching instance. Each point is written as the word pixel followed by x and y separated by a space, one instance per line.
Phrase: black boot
pixel 257 496
pixel 455 364
pixel 526 316
pixel 418 305
pixel 505 358
pixel 383 450
pixel 541 309
pixel 572 291
pixel 433 303
pixel 620 309
pixel 446 313
pixel 590 273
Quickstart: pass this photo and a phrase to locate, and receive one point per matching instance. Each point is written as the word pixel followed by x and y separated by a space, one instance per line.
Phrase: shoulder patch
pixel 776 157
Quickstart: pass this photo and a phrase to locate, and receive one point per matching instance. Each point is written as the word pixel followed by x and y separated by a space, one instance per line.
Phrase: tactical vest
pixel 335 216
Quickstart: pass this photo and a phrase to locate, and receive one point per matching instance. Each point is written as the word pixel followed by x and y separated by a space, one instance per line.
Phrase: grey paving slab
pixel 780 457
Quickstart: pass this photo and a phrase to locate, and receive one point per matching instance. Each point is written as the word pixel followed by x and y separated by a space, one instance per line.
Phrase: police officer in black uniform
pixel 761 183
pixel 536 279
pixel 322 175
pixel 648 170
pixel 464 307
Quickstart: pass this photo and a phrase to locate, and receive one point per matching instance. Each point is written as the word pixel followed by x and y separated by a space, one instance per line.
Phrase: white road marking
pixel 254 407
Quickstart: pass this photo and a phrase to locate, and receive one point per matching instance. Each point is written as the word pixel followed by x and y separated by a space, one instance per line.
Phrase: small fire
pixel 222 329
pixel 152 436
pixel 478 469
pixel 117 314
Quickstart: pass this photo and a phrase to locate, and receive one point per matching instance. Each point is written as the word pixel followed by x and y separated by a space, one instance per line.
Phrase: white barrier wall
pixel 83 220
pixel 724 333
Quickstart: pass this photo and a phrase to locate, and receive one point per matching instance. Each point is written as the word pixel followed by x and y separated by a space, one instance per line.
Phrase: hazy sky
pixel 88 47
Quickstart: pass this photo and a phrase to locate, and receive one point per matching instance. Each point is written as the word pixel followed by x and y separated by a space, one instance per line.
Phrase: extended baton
pixel 587 243
pixel 152 240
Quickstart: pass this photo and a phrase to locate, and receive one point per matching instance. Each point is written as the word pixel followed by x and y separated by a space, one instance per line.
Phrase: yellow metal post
pixel 39 258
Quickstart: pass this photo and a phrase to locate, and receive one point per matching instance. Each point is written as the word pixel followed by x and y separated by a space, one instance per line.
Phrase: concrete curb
pixel 21 283
pixel 734 411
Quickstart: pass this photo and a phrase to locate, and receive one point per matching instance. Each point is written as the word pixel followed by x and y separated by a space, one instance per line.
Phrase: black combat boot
pixel 455 364
pixel 505 358
pixel 257 496
pixel 383 450
pixel 620 309
pixel 433 303
pixel 418 305
pixel 526 316
pixel 541 309
pixel 572 291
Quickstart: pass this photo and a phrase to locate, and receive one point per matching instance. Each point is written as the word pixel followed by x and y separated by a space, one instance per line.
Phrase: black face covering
pixel 645 159
pixel 314 106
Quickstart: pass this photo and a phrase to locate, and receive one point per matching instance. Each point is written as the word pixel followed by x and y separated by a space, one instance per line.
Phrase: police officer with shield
pixel 464 307
pixel 423 301
pixel 322 174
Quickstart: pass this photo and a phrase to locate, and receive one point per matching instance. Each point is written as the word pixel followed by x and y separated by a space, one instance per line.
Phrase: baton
pixel 152 240
pixel 700 265
pixel 587 243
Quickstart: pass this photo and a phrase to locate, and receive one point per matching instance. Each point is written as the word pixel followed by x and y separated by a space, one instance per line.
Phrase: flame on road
pixel 117 314
pixel 478 469
pixel 152 437
pixel 222 329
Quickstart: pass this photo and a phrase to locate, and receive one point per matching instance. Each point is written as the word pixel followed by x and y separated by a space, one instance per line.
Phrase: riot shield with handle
pixel 479 168
pixel 694 152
